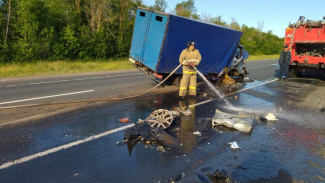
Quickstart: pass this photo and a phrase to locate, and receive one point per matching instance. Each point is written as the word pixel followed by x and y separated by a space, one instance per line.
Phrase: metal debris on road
pixel 160 118
pixel 144 133
pixel 177 111
pixel 141 121
pixel 220 176
pixel 161 149
pixel 196 133
pixel 270 117
pixel 237 121
pixel 234 145
pixel 124 120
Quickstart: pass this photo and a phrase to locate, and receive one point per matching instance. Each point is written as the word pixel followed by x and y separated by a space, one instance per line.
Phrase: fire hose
pixel 97 100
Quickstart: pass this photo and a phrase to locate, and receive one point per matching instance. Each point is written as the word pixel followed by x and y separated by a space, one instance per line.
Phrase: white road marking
pixel 91 138
pixel 275 65
pixel 66 80
pixel 66 146
pixel 50 96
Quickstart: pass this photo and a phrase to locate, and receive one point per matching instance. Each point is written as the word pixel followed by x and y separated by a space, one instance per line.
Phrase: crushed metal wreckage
pixel 239 122
pixel 152 130
pixel 144 133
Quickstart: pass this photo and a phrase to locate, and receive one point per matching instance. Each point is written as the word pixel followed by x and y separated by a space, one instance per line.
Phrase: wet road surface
pixel 288 150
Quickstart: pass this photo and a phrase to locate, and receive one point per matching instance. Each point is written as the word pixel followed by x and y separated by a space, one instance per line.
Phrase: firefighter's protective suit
pixel 188 82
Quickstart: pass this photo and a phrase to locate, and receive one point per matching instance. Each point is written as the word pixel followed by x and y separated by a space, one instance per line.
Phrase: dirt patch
pixel 313 98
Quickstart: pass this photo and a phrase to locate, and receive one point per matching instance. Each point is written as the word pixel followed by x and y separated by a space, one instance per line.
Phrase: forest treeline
pixel 94 29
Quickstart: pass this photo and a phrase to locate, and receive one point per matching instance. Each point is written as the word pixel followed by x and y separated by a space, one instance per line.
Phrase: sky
pixel 276 14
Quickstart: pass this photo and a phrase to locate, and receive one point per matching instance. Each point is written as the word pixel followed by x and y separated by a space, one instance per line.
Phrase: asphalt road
pixel 86 145
pixel 70 87
pixel 33 90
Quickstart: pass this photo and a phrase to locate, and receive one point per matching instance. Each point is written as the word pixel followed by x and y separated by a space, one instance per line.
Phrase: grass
pixel 262 57
pixel 62 67
pixel 39 68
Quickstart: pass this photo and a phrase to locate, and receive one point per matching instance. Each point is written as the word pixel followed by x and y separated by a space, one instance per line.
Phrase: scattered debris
pixel 225 78
pixel 124 120
pixel 177 111
pixel 187 112
pixel 237 121
pixel 144 133
pixel 161 149
pixel 234 145
pixel 119 143
pixel 141 121
pixel 270 117
pixel 221 175
pixel 160 118
pixel 197 133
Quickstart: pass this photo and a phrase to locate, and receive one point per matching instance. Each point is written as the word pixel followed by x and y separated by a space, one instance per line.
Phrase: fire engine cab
pixel 306 40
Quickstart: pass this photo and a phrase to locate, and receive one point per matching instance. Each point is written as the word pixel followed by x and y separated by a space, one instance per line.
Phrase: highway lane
pixel 33 90
pixel 71 88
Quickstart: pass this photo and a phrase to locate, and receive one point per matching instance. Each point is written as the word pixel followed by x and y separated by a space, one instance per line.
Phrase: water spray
pixel 211 86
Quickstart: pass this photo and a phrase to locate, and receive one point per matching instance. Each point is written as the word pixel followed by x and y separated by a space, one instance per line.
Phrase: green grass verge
pixel 62 67
pixel 39 68
pixel 262 57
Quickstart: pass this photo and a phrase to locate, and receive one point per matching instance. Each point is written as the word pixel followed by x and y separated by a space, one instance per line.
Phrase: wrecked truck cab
pixel 158 39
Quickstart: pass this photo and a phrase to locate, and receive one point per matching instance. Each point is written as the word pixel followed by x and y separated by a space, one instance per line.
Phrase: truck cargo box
pixel 158 39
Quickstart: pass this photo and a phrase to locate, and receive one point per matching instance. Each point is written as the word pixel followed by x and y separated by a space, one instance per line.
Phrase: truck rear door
pixel 139 34
pixel 154 39
pixel 148 35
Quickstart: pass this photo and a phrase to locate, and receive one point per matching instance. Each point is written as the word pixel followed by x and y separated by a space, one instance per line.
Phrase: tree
pixel 186 9
pixel 8 23
pixel 98 29
pixel 160 5
pixel 218 20
pixel 234 24
pixel 96 11
pixel 260 25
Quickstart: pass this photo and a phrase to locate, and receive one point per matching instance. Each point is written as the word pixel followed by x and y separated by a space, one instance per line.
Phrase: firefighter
pixel 284 62
pixel 189 58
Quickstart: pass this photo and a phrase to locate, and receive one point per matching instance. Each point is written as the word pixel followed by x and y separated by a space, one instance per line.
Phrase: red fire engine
pixel 306 40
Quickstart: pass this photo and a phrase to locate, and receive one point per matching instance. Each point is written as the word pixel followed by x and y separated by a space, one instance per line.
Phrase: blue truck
pixel 159 38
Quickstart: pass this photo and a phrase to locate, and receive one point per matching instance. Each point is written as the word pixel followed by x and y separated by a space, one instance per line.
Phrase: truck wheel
pixel 293 72
pixel 177 81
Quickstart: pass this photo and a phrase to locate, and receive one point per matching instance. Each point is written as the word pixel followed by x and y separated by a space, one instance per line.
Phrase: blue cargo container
pixel 159 38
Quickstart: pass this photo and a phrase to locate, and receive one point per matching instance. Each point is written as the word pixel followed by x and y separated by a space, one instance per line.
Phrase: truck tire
pixel 177 81
pixel 293 72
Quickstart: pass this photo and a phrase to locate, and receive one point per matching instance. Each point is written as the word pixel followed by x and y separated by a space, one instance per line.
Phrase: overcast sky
pixel 276 14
